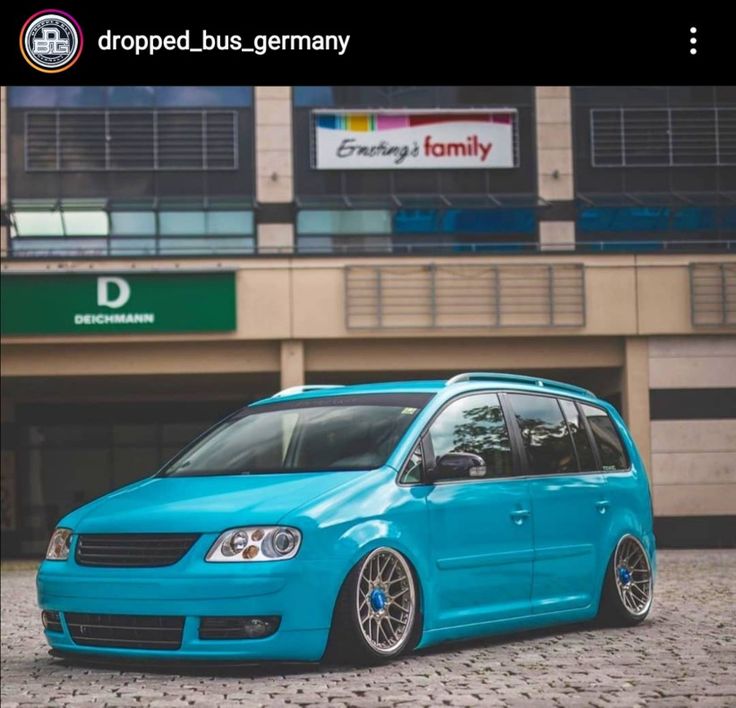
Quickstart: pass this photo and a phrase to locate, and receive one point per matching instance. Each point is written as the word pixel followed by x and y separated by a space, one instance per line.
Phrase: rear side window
pixel 613 456
pixel 545 435
pixel 579 435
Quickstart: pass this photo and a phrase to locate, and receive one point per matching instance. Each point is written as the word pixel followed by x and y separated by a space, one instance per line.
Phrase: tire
pixel 377 616
pixel 627 586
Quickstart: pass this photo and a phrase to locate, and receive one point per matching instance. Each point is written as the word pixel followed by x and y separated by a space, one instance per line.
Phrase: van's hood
pixel 203 504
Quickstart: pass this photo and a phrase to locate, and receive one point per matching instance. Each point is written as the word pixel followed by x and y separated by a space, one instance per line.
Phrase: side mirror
pixel 458 465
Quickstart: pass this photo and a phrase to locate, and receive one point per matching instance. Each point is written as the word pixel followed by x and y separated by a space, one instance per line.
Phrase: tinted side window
pixel 474 424
pixel 413 467
pixel 544 432
pixel 609 444
pixel 579 436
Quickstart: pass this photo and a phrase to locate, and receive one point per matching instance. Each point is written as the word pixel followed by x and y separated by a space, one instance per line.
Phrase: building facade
pixel 171 253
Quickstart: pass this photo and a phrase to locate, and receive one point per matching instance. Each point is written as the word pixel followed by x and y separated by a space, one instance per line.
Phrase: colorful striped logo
pixel 377 121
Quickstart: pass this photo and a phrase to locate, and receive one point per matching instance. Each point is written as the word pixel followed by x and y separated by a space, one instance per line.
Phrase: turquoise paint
pixel 484 566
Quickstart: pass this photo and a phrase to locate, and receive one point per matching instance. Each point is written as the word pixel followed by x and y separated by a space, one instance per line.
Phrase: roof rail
pixel 294 390
pixel 518 378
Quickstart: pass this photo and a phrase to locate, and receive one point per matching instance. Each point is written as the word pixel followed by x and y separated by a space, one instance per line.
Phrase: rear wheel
pixel 376 617
pixel 628 585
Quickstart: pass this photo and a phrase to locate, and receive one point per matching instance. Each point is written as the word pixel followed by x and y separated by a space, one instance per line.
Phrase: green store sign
pixel 107 304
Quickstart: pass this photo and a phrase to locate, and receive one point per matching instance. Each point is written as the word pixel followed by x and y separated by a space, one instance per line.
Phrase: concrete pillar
pixel 554 142
pixel 292 363
pixel 635 395
pixel 274 165
pixel 554 162
pixel 557 235
pixel 275 238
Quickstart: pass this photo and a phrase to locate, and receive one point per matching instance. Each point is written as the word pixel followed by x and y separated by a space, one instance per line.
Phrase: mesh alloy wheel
pixel 633 576
pixel 377 613
pixel 628 585
pixel 385 601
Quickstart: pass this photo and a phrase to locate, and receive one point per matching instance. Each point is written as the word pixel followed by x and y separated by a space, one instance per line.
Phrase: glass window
pixel 208 244
pixel 198 96
pixel 229 222
pixel 56 96
pixel 474 424
pixel 543 430
pixel 67 247
pixel 313 96
pixel 359 221
pixel 609 443
pixel 133 223
pixel 317 435
pixel 315 244
pixel 132 246
pixel 131 96
pixel 182 223
pixel 37 223
pixel 80 96
pixel 624 219
pixel 414 467
pixel 85 223
pixel 472 221
pixel 586 458
pixel 31 97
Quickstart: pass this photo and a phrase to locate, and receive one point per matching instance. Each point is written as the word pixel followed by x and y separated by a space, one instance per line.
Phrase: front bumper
pixel 301 591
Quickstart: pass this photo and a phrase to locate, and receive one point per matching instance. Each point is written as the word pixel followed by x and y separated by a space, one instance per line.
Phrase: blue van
pixel 363 522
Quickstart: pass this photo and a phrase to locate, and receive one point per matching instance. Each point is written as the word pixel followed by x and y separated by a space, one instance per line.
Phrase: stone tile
pixel 682 655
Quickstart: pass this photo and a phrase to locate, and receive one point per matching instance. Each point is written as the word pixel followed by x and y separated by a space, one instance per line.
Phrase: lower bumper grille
pixel 125 631
pixel 238 627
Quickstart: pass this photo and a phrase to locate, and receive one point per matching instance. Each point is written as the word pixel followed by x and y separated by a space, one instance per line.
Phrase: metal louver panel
pixel 444 296
pixel 663 137
pixel 117 140
pixel 132 144
pixel 713 294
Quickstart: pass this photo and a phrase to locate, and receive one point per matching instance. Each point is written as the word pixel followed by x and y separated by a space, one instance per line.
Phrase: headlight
pixel 255 543
pixel 59 544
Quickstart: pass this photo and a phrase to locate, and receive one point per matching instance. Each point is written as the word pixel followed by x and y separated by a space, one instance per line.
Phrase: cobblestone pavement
pixel 684 654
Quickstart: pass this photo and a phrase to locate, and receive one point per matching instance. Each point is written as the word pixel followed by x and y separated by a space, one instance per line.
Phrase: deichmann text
pixel 117 318
pixel 261 43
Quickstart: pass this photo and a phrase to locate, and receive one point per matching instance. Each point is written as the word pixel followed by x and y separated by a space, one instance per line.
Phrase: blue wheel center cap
pixel 624 576
pixel 378 599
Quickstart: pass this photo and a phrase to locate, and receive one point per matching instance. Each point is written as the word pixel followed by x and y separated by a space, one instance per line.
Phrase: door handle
pixel 602 505
pixel 519 516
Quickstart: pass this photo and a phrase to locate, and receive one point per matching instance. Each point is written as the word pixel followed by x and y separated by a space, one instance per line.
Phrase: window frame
pixel 591 439
pixel 423 441
pixel 522 448
pixel 591 436
pixel 519 460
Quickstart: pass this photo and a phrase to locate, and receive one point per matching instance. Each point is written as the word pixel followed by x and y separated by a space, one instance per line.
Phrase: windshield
pixel 317 435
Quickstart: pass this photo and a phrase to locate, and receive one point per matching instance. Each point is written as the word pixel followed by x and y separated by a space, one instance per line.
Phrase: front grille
pixel 133 550
pixel 125 631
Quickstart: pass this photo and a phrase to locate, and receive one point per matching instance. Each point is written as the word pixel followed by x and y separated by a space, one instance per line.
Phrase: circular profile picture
pixel 51 41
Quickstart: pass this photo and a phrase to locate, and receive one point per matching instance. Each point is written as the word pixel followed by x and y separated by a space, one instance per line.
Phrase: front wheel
pixel 376 616
pixel 628 585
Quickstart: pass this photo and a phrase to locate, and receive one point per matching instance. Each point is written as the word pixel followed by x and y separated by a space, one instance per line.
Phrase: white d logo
pixel 104 295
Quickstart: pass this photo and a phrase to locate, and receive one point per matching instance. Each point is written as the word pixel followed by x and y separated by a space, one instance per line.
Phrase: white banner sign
pixel 414 140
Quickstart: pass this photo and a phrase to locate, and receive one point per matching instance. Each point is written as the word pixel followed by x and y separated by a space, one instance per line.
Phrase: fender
pixel 368 535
